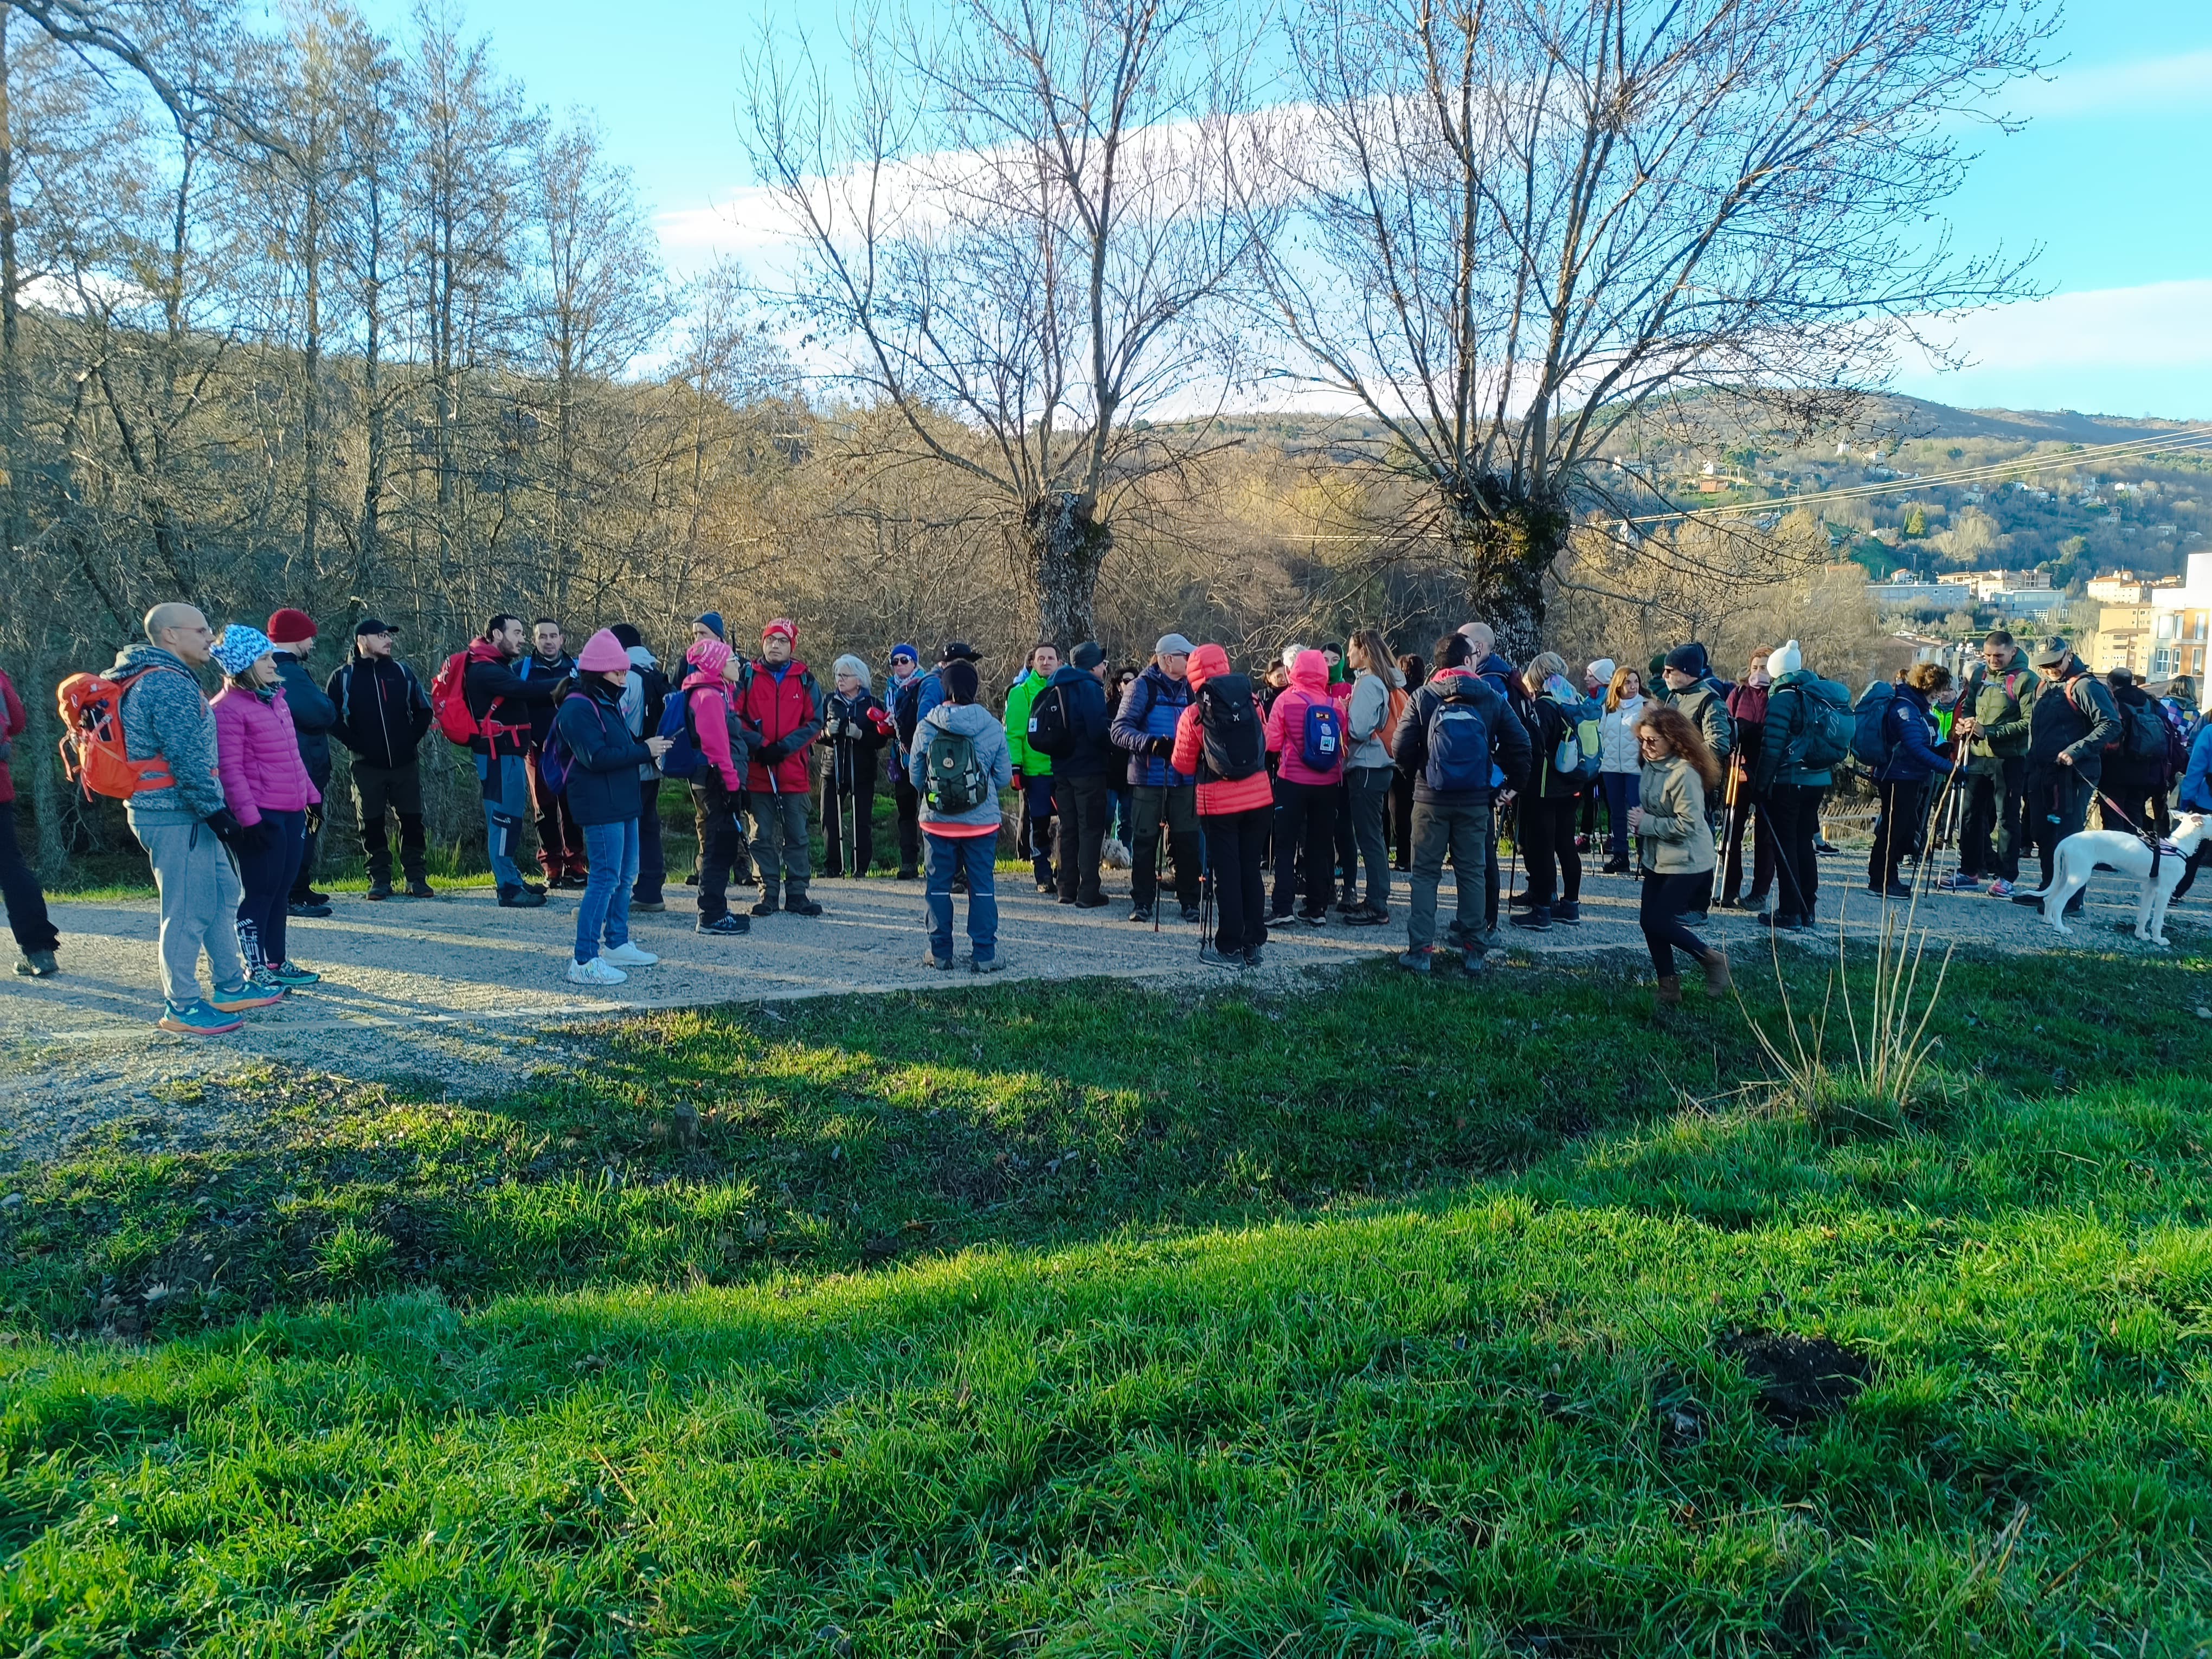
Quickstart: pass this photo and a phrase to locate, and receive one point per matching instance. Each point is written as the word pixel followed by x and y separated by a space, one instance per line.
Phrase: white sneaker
pixel 629 955
pixel 595 972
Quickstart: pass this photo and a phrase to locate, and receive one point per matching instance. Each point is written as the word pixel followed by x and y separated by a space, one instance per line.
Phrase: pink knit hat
pixel 709 656
pixel 603 653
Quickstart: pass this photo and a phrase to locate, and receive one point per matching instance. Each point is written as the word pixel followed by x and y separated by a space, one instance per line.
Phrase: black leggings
pixel 1306 822
pixel 1547 838
pixel 1667 900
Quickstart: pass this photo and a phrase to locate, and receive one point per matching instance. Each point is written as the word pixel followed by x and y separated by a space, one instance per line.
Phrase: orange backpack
pixel 93 751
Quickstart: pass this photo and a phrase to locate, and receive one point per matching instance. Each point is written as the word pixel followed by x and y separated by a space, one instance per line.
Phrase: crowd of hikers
pixel 1245 801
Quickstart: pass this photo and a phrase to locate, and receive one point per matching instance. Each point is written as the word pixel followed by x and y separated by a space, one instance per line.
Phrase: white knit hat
pixel 1602 671
pixel 1788 660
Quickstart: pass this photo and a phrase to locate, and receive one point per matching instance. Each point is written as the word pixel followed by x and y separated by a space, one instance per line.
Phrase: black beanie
pixel 626 636
pixel 960 682
pixel 1089 654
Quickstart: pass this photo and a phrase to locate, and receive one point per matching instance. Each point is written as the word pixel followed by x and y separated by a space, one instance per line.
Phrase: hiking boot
pixel 571 883
pixel 1362 916
pixel 1473 963
pixel 1064 898
pixel 1047 883
pixel 521 898
pixel 1568 913
pixel 37 964
pixel 1896 889
pixel 535 889
pixel 1614 867
pixel 627 955
pixel 1822 844
pixel 196 1019
pixel 1211 955
pixel 1141 913
pixel 239 998
pixel 1349 903
pixel 1783 924
pixel 985 965
pixel 1670 994
pixel 649 906
pixel 1252 956
pixel 292 977
pixel 1190 914
pixel 1096 901
pixel 595 972
pixel 908 875
pixel 1521 902
pixel 766 906
pixel 1414 961
pixel 378 891
pixel 310 912
pixel 1536 921
pixel 315 896
pixel 725 925
pixel 799 905
pixel 1717 983
pixel 931 959
pixel 419 887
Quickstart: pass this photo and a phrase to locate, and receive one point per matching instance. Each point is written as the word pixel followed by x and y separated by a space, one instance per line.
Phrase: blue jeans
pixel 948 855
pixel 506 786
pixel 1623 791
pixel 610 872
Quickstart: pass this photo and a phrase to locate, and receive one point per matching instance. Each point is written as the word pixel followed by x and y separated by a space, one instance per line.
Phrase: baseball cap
pixel 1172 645
pixel 373 625
pixel 960 650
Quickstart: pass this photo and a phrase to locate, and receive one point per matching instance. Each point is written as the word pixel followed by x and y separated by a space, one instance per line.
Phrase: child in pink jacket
pixel 266 787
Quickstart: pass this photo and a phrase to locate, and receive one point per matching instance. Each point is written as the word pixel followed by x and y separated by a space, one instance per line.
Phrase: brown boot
pixel 1717 983
pixel 1670 991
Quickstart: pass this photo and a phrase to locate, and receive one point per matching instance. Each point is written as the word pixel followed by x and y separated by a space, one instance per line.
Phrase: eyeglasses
pixel 1649 739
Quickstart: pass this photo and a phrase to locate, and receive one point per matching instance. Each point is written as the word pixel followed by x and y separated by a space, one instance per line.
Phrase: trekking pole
pixel 1727 833
pixel 1159 859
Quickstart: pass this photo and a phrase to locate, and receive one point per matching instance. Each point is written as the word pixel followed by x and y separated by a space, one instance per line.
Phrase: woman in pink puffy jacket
pixel 267 788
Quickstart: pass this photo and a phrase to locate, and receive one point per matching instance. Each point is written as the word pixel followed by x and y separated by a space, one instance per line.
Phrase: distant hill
pixel 1916 417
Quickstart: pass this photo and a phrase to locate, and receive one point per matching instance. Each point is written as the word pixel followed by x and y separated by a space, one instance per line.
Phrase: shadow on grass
pixel 708 1147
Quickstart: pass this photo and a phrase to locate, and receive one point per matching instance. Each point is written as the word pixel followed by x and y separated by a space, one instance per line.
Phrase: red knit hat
pixel 290 626
pixel 782 625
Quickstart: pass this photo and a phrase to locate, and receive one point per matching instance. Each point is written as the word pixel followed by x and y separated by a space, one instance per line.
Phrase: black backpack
pixel 1229 736
pixel 1052 723
pixel 906 709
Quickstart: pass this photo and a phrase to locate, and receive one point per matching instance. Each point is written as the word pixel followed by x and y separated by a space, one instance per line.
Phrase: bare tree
pixel 1014 233
pixel 1517 225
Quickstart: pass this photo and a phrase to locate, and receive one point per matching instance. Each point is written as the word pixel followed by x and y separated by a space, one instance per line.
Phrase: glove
pixel 252 837
pixel 1159 745
pixel 771 754
pixel 225 824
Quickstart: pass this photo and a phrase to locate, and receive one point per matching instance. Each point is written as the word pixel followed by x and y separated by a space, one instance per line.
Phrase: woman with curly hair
pixel 1674 844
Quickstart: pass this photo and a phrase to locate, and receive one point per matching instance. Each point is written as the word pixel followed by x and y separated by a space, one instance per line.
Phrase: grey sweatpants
pixel 200 890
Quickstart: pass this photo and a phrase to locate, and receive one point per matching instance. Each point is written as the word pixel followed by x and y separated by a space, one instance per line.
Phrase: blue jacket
pixel 2197 781
pixel 314 714
pixel 1145 727
pixel 1094 754
pixel 1912 757
pixel 603 754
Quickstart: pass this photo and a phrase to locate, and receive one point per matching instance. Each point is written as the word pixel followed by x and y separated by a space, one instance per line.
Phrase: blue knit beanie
pixel 240 647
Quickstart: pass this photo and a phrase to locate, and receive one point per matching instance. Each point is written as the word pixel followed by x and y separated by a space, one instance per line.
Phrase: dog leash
pixel 2156 843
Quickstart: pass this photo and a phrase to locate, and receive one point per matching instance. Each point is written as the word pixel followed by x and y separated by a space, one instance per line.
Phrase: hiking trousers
pixel 27 918
pixel 1897 830
pixel 1464 833
pixel 1150 806
pixel 2057 806
pixel 398 790
pixel 651 856
pixel 200 890
pixel 1548 844
pixel 506 787
pixel 265 875
pixel 721 845
pixel 1085 804
pixel 780 848
pixel 311 847
pixel 1794 810
pixel 1237 858
pixel 1989 831
pixel 1305 840
pixel 1367 790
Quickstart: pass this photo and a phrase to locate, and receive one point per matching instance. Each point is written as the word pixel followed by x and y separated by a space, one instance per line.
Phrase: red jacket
pixel 785 706
pixel 12 720
pixel 259 755
pixel 1218 796
pixel 1286 720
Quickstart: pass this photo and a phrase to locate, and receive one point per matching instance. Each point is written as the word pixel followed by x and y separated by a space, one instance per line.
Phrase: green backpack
pixel 955 780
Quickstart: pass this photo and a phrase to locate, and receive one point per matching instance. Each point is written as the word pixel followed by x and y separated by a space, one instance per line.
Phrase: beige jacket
pixel 1673 836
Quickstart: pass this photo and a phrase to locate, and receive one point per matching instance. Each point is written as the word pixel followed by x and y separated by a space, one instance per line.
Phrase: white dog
pixel 2089 850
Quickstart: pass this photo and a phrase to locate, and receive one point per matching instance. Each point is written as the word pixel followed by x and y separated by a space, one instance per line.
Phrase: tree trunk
pixel 1504 550
pixel 1063 547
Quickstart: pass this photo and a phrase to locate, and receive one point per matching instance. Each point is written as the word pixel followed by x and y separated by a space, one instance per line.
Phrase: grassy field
pixel 1377 1318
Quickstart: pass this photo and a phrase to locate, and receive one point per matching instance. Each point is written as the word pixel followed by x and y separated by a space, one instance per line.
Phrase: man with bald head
pixel 182 822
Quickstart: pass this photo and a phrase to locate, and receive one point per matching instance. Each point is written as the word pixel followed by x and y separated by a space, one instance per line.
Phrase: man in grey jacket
pixel 184 823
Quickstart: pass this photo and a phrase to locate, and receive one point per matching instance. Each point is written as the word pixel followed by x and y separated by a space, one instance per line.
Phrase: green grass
pixel 1382 1318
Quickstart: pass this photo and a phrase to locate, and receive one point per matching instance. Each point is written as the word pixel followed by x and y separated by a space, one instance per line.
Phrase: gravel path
pixel 457 995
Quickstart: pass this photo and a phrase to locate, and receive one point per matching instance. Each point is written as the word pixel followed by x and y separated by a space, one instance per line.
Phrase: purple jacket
pixel 259 755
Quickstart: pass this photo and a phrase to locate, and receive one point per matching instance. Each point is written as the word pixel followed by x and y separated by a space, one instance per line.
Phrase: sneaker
pixel 931 959
pixel 239 998
pixel 196 1019
pixel 1896 889
pixel 1048 885
pixel 1536 921
pixel 1348 904
pixel 1999 888
pixel 2032 899
pixel 261 979
pixel 903 875
pixel 418 888
pixel 37 964
pixel 1363 917
pixel 1212 957
pixel 1190 914
pixel 799 905
pixel 1696 917
pixel 1473 964
pixel 1141 913
pixel 1822 844
pixel 595 972
pixel 1096 901
pixel 1568 913
pixel 292 977
pixel 1783 924
pixel 1614 867
pixel 378 891
pixel 725 925
pixel 525 897
pixel 1414 961
pixel 627 955
pixel 1252 956
pixel 766 906
pixel 985 965
pixel 535 889
pixel 571 883
pixel 1959 882
pixel 1314 918
pixel 1521 902
pixel 311 912
pixel 316 895
pixel 649 906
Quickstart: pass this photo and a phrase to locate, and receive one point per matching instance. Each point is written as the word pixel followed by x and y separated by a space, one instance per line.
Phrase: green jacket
pixel 1780 750
pixel 1027 761
pixel 1705 708
pixel 2000 708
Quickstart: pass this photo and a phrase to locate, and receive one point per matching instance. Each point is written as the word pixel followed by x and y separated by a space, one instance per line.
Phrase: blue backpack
pixel 556 760
pixel 1869 725
pixel 1459 749
pixel 1321 745
pixel 683 758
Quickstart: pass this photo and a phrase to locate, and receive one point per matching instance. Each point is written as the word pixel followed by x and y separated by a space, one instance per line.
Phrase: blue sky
pixel 2109 177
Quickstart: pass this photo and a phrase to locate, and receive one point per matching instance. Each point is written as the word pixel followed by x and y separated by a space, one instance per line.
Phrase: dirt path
pixel 459 995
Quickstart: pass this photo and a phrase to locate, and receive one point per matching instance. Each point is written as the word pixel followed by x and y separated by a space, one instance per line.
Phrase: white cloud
pixel 2146 86
pixel 2159 325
